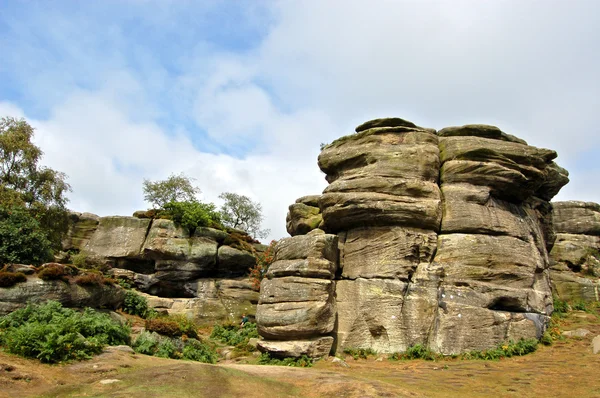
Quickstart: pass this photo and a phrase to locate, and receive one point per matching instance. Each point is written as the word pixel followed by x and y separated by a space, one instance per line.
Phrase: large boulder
pixel 81 228
pixel 37 291
pixel 117 237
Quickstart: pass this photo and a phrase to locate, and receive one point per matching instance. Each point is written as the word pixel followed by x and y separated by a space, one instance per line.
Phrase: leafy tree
pixel 176 188
pixel 23 183
pixel 241 212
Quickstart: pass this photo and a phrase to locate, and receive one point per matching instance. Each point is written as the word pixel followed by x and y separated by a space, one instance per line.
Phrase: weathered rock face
pixel 35 290
pixel 575 257
pixel 443 238
pixel 161 259
pixel 297 299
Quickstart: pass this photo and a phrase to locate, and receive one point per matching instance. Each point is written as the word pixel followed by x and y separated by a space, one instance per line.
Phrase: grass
pixel 301 362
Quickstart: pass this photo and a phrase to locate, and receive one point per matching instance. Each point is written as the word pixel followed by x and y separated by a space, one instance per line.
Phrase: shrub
pixel 52 333
pixel 547 338
pixel 52 272
pixel 191 215
pixel 146 343
pixel 561 307
pixel 195 350
pixel 302 362
pixel 22 239
pixel 580 306
pixel 418 351
pixel 234 335
pixel 166 349
pixel 357 353
pixel 8 279
pixel 506 350
pixel 79 260
pixel 134 304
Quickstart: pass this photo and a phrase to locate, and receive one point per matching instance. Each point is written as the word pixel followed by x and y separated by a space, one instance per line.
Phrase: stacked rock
pixel 492 247
pixel 443 236
pixel 296 309
pixel 384 203
pixel 575 256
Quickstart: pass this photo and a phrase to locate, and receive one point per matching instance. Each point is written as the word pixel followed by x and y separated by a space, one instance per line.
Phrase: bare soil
pixel 568 368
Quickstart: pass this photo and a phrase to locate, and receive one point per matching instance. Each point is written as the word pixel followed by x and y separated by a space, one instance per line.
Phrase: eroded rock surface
pixel 443 237
pixel 575 257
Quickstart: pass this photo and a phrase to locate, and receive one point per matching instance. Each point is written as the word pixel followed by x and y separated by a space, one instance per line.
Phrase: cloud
pixel 240 97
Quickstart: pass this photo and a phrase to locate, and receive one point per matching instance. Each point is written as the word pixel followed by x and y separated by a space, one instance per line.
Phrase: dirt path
pixel 566 369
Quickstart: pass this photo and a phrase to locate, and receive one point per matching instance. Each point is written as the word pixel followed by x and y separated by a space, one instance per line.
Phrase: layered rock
pixel 164 261
pixel 575 257
pixel 443 236
pixel 36 291
pixel 296 310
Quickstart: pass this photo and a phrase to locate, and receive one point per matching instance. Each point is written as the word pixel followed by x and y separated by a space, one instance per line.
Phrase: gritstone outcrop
pixel 443 241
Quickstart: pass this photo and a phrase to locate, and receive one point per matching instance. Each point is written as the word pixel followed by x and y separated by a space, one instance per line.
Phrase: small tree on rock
pixel 241 212
pixel 176 188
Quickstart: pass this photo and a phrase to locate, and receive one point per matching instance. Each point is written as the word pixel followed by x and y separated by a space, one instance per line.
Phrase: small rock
pixel 576 333
pixel 253 342
pixel 109 381
pixel 596 345
pixel 340 362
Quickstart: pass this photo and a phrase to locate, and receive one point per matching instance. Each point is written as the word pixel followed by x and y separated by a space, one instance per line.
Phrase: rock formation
pixel 202 276
pixel 443 241
pixel 575 257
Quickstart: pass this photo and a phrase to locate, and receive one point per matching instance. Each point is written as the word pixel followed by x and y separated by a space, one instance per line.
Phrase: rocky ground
pixel 568 368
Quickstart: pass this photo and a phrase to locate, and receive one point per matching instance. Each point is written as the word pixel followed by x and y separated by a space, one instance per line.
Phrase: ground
pixel 568 368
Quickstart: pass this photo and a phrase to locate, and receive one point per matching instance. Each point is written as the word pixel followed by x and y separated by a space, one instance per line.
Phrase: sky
pixel 239 95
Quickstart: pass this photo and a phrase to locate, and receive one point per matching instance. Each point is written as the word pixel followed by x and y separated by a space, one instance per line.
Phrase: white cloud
pixel 321 68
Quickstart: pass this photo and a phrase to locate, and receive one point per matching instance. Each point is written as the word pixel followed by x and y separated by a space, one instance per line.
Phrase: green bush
pixel 234 335
pixel 195 350
pixel 418 351
pixel 166 347
pixel 146 343
pixel 22 239
pixel 9 279
pixel 302 362
pixel 561 307
pixel 79 260
pixel 134 304
pixel 191 215
pixel 506 350
pixel 52 333
pixel 357 353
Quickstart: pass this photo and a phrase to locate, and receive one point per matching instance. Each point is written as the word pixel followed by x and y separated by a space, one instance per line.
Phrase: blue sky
pixel 239 95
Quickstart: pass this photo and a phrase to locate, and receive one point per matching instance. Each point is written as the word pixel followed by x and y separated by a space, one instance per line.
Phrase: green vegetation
pixel 234 335
pixel 79 260
pixel 176 188
pixel 134 304
pixel 240 212
pixel 32 196
pixel 358 353
pixel 505 350
pixel 418 351
pixel 22 239
pixel 561 307
pixel 151 343
pixel 191 215
pixel 52 333
pixel 302 362
pixel 9 279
